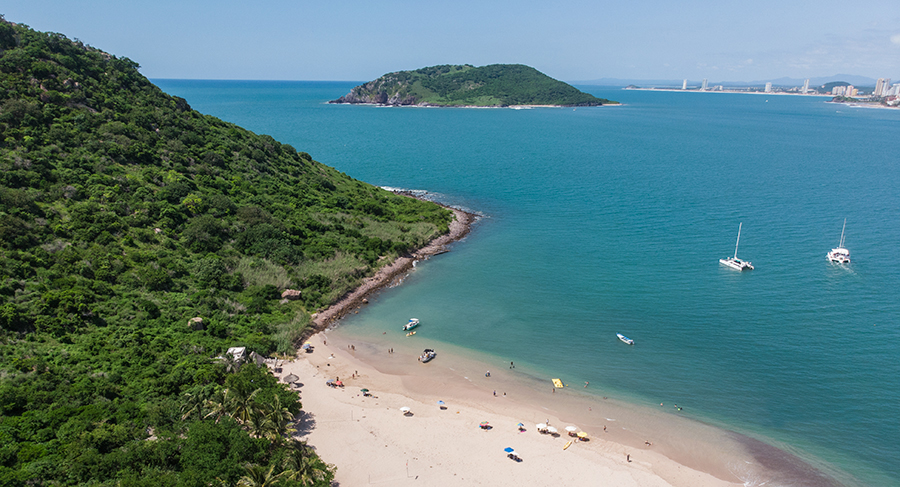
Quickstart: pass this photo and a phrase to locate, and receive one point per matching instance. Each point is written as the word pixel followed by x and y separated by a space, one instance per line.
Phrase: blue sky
pixel 570 40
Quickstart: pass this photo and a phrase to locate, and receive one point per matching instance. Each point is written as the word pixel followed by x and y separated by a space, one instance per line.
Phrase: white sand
pixel 372 442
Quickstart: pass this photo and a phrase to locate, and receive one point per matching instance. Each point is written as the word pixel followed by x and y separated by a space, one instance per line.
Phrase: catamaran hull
pixel 738 266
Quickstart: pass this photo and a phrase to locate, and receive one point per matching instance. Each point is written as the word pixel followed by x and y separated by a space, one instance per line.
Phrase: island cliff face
pixel 496 85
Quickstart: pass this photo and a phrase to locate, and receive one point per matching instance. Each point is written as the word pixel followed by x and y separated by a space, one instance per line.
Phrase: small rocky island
pixel 496 85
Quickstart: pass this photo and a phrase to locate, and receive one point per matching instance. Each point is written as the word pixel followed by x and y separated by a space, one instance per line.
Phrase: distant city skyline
pixel 572 40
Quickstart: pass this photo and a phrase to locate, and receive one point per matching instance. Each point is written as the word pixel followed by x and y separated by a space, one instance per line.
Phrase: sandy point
pixel 371 441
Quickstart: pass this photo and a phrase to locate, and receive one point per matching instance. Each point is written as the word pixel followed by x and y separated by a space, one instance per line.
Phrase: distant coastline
pixel 743 92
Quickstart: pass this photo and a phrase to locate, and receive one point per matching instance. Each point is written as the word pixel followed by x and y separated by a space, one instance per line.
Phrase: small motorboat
pixel 413 322
pixel 427 355
pixel 625 339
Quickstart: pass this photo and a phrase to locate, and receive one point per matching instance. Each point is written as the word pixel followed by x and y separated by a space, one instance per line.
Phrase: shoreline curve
pixel 459 228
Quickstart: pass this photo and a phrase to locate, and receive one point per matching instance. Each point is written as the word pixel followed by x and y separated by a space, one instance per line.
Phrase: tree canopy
pixel 123 215
pixel 467 85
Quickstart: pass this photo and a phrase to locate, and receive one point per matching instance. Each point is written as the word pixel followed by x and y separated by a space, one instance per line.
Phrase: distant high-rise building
pixel 705 84
pixel 879 87
pixel 851 91
pixel 769 87
pixel 806 85
pixel 684 85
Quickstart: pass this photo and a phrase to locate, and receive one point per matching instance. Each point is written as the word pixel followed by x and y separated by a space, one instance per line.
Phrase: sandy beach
pixel 372 442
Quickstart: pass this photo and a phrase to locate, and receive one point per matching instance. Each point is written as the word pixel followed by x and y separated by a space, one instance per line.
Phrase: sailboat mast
pixel 842 233
pixel 738 239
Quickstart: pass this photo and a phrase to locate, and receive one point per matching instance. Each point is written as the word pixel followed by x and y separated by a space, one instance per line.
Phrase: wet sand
pixel 372 442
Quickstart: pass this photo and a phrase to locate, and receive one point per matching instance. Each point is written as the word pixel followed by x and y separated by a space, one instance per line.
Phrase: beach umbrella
pixel 508 449
pixel 329 381
pixel 363 390
pixel 582 434
pixel 404 410
pixel 291 378
pixel 552 429
pixel 484 423
pixel 306 346
pixel 440 403
pixel 520 425
pixel 571 429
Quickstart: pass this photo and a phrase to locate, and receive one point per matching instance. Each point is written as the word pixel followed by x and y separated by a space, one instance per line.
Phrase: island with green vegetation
pixel 496 85
pixel 140 240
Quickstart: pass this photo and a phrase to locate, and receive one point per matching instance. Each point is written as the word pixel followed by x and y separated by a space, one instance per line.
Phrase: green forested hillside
pixel 123 214
pixel 496 85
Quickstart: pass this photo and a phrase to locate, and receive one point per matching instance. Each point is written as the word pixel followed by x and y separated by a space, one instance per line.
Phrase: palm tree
pixel 230 402
pixel 302 465
pixel 218 405
pixel 258 425
pixel 241 407
pixel 279 420
pixel 192 404
pixel 258 476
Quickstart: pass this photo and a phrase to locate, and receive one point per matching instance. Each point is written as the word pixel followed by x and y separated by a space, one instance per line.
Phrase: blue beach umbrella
pixel 508 449
pixel 440 403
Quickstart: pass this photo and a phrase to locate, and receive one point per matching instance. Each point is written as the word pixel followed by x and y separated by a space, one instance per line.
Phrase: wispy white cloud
pixel 896 39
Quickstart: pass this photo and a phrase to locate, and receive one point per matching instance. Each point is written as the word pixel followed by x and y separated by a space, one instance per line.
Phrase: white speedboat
pixel 840 255
pixel 427 355
pixel 625 339
pixel 413 322
pixel 734 262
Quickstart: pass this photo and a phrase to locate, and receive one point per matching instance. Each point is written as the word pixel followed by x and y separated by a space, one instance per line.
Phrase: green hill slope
pixel 123 215
pixel 497 85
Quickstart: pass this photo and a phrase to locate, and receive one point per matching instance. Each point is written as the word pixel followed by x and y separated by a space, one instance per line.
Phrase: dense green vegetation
pixel 124 214
pixel 495 85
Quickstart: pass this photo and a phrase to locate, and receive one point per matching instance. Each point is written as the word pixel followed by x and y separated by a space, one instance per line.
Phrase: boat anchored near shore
pixel 625 339
pixel 734 262
pixel 413 322
pixel 840 255
pixel 427 355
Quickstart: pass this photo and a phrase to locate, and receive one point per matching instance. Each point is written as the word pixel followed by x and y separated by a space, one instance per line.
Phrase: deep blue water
pixel 613 219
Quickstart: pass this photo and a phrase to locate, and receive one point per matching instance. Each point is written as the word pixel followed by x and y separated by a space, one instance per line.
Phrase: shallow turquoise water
pixel 608 220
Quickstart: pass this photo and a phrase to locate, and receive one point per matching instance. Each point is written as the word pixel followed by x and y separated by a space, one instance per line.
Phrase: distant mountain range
pixel 785 81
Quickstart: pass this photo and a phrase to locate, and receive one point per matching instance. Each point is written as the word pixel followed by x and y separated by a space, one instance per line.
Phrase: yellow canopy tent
pixel 557 383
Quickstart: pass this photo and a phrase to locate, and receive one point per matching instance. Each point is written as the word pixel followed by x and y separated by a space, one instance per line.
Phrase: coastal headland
pixel 459 228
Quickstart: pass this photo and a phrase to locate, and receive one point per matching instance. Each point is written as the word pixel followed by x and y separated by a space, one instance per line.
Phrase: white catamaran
pixel 734 262
pixel 840 255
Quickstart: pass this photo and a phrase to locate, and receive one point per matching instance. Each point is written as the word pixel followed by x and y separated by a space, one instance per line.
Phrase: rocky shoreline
pixel 459 228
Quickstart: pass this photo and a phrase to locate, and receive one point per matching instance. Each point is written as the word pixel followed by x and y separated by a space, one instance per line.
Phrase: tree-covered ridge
pixel 123 214
pixel 494 85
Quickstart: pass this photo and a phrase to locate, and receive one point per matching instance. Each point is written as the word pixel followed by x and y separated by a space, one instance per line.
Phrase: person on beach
pixel 495 393
pixel 511 365
pixel 586 384
pixel 487 374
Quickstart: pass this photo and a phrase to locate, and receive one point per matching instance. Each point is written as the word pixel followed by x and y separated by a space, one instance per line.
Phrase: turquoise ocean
pixel 608 220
